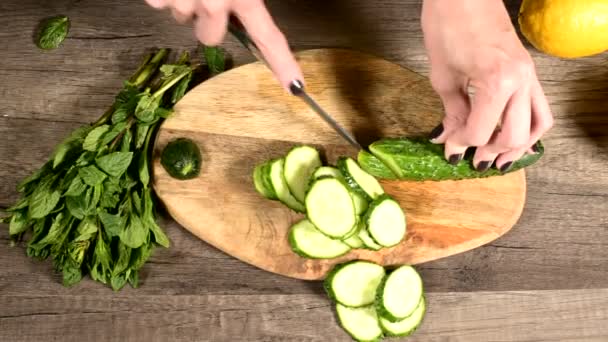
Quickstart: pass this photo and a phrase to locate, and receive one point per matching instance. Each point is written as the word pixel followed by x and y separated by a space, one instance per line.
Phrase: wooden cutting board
pixel 243 117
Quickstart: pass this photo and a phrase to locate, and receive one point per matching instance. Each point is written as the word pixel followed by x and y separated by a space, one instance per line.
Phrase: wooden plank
pixel 568 315
pixel 562 228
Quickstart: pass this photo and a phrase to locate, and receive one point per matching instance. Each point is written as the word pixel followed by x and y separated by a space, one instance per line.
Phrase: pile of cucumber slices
pixel 346 207
pixel 373 303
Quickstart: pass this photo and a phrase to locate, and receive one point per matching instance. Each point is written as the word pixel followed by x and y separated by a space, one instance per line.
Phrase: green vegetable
pixel 216 61
pixel 52 32
pixel 354 283
pixel 307 241
pixel 181 158
pixel 417 159
pixel 89 207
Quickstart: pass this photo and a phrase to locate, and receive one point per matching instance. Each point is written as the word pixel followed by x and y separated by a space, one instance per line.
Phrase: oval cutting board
pixel 243 117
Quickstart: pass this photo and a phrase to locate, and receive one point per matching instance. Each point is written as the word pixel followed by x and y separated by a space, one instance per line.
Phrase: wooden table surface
pixel 546 280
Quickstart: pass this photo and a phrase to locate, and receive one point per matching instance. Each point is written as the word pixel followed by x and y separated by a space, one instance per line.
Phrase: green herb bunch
pixel 90 207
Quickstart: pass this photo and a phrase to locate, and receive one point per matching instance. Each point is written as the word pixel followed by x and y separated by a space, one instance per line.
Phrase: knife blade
pixel 296 88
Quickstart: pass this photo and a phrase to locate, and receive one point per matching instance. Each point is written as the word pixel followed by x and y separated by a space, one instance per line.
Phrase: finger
pixel 158 4
pixel 456 106
pixel 183 10
pixel 211 22
pixel 269 39
pixel 486 108
pixel 513 135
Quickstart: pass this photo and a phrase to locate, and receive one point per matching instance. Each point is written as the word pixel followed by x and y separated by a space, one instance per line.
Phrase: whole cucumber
pixel 417 159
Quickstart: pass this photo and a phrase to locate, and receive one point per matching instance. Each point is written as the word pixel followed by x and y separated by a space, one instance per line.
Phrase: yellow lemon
pixel 565 28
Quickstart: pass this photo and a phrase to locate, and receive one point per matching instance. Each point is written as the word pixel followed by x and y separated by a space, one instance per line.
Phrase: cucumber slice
pixel 360 181
pixel 261 180
pixel 352 232
pixel 327 171
pixel 406 326
pixel 374 166
pixel 367 240
pixel 354 283
pixel 330 207
pixel 354 241
pixel 399 294
pixel 360 323
pixel 386 221
pixel 361 203
pixel 300 163
pixel 308 242
pixel 280 186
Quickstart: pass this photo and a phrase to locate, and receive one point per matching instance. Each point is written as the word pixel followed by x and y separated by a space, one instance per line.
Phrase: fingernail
pixel 505 167
pixel 535 148
pixel 455 158
pixel 483 166
pixel 436 132
pixel 296 87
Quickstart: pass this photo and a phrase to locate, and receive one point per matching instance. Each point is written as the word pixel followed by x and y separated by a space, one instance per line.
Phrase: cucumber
pixel 374 166
pixel 361 203
pixel 280 186
pixel 354 283
pixel 261 180
pixel 367 240
pixel 308 242
pixel 406 326
pixel 330 207
pixel 354 241
pixel 360 181
pixel 327 171
pixel 300 164
pixel 385 221
pixel 361 324
pixel 399 294
pixel 418 159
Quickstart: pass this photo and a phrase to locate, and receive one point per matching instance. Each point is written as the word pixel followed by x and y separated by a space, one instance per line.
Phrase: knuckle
pixel 505 75
pixel 477 138
pixel 213 8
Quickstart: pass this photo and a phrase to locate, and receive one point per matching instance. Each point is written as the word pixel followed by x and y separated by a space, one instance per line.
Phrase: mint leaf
pixel 144 172
pixel 43 200
pixel 146 107
pixel 76 188
pixel 112 133
pixel 59 225
pixel 122 263
pixel 181 88
pixel 115 164
pixel 215 59
pixel 118 282
pixel 113 224
pixel 34 177
pixel 18 223
pixel 85 159
pixel 126 141
pixel 91 175
pixel 91 142
pixel 86 230
pixel 140 135
pixel 71 273
pixel 136 200
pixel 53 32
pixel 135 234
pixel 21 204
pixel 134 279
pixel 79 206
pixel 139 256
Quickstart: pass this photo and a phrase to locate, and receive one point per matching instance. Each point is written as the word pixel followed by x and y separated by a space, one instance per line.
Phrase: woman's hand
pixel 472 43
pixel 210 25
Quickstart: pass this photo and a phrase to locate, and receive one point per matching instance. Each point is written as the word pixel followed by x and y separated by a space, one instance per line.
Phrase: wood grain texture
pixel 569 315
pixel 369 96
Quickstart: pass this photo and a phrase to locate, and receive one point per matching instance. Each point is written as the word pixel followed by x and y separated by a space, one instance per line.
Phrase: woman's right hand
pixel 210 25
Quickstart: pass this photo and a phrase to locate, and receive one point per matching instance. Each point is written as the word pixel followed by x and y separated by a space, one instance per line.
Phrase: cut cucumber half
pixel 327 171
pixel 368 242
pixel 300 164
pixel 359 180
pixel 406 326
pixel 280 186
pixel 354 283
pixel 330 207
pixel 354 241
pixel 261 180
pixel 399 294
pixel 308 242
pixel 360 323
pixel 386 221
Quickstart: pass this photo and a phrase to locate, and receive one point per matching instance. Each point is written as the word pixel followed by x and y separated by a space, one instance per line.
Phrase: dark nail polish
pixel 483 166
pixel 436 132
pixel 505 167
pixel 535 148
pixel 296 87
pixel 455 158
